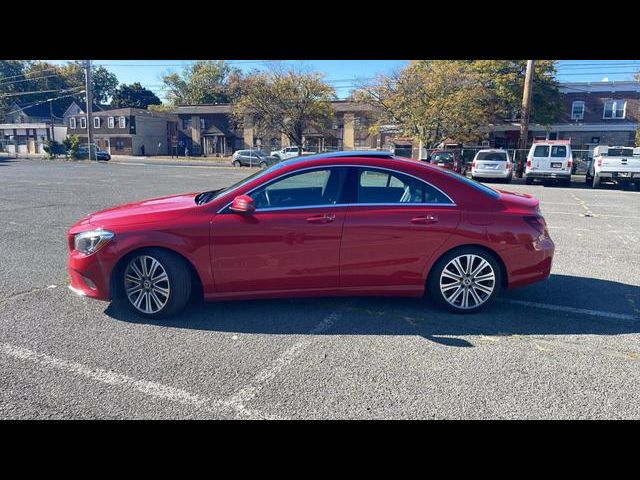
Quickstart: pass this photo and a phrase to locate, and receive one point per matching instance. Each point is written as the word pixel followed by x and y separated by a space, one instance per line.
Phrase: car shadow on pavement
pixel 614 308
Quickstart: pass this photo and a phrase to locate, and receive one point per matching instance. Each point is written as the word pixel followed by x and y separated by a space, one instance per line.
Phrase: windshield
pixel 206 197
pixel 492 156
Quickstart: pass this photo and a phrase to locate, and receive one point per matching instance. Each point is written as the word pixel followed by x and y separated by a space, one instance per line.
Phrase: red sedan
pixel 349 223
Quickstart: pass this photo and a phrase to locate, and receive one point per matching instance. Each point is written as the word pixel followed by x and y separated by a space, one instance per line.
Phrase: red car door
pixel 291 241
pixel 397 223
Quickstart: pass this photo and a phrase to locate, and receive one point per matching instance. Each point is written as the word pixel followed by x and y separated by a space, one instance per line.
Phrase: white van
pixel 549 159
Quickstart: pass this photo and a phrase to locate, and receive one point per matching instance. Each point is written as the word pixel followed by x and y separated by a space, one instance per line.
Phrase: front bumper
pixel 89 275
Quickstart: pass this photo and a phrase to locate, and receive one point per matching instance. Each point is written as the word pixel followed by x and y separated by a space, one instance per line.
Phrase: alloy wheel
pixel 146 284
pixel 467 281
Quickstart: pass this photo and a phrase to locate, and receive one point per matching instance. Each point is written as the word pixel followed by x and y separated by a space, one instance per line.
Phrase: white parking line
pixel 249 391
pixel 110 377
pixel 563 308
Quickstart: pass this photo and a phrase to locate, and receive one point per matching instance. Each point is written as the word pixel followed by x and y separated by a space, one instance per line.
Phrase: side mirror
pixel 243 204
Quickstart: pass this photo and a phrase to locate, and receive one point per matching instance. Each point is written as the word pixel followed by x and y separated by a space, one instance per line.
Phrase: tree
pixel 205 81
pixel 133 96
pixel 431 100
pixel 72 146
pixel 287 101
pixel 505 81
pixel 104 83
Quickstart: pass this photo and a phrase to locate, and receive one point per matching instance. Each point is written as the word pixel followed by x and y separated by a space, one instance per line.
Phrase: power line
pixel 43 101
pixel 28 79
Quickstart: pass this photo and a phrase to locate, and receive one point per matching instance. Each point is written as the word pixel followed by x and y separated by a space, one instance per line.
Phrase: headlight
pixel 91 241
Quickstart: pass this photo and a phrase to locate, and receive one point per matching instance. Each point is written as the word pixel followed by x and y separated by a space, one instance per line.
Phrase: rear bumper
pixel 620 175
pixel 538 267
pixel 482 173
pixel 547 174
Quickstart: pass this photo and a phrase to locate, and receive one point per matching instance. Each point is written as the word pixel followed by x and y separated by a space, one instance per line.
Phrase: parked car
pixel 252 158
pixel 97 154
pixel 549 159
pixel 348 223
pixel 614 164
pixel 291 152
pixel 448 159
pixel 492 163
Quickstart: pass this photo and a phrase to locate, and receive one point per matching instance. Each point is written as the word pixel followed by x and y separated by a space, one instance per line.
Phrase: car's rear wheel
pixel 263 165
pixel 465 280
pixel 156 283
pixel 528 181
pixel 595 182
pixel 236 163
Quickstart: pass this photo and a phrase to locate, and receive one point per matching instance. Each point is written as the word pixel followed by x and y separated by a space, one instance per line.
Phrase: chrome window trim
pixel 320 167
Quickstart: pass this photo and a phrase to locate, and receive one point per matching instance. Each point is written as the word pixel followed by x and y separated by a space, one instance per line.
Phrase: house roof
pixel 40 110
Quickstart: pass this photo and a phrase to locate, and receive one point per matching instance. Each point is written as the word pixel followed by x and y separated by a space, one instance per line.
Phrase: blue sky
pixel 343 74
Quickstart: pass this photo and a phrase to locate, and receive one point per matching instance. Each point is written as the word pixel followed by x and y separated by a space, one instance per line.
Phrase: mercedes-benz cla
pixel 348 223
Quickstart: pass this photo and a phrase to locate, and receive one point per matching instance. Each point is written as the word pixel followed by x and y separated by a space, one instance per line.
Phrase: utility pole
pixel 53 133
pixel 89 97
pixel 526 107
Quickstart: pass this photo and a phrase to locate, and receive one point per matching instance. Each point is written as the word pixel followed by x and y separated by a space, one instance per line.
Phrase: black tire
pixel 236 163
pixel 595 182
pixel 588 180
pixel 528 181
pixel 263 165
pixel 179 283
pixel 434 280
pixel 566 183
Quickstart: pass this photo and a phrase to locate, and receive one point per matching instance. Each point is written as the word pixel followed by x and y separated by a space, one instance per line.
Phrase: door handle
pixel 323 218
pixel 425 219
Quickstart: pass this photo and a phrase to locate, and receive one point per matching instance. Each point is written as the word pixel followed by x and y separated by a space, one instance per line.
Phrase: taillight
pixel 473 164
pixel 508 165
pixel 599 162
pixel 538 223
pixel 528 162
pixel 570 163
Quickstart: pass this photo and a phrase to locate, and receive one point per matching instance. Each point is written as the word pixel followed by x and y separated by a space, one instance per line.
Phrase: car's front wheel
pixel 155 283
pixel 236 163
pixel 465 280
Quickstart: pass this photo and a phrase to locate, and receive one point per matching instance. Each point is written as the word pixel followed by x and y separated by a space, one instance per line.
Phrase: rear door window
pixel 384 187
pixel 558 151
pixel 541 151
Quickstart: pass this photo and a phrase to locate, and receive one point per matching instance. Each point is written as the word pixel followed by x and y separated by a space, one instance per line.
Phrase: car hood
pixel 145 211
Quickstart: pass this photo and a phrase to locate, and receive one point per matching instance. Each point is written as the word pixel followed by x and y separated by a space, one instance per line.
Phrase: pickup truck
pixel 614 164
pixel 290 152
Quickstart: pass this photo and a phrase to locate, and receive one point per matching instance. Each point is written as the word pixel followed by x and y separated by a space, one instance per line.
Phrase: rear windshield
pixel 541 151
pixel 472 183
pixel 442 158
pixel 492 156
pixel 620 152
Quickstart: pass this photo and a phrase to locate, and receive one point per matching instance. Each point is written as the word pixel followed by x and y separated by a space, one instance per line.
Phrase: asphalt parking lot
pixel 565 348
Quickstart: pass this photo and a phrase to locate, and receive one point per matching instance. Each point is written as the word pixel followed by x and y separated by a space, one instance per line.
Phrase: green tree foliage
pixel 72 146
pixel 133 96
pixel 205 81
pixel 505 81
pixel 54 148
pixel 63 83
pixel 285 100
pixel 432 100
